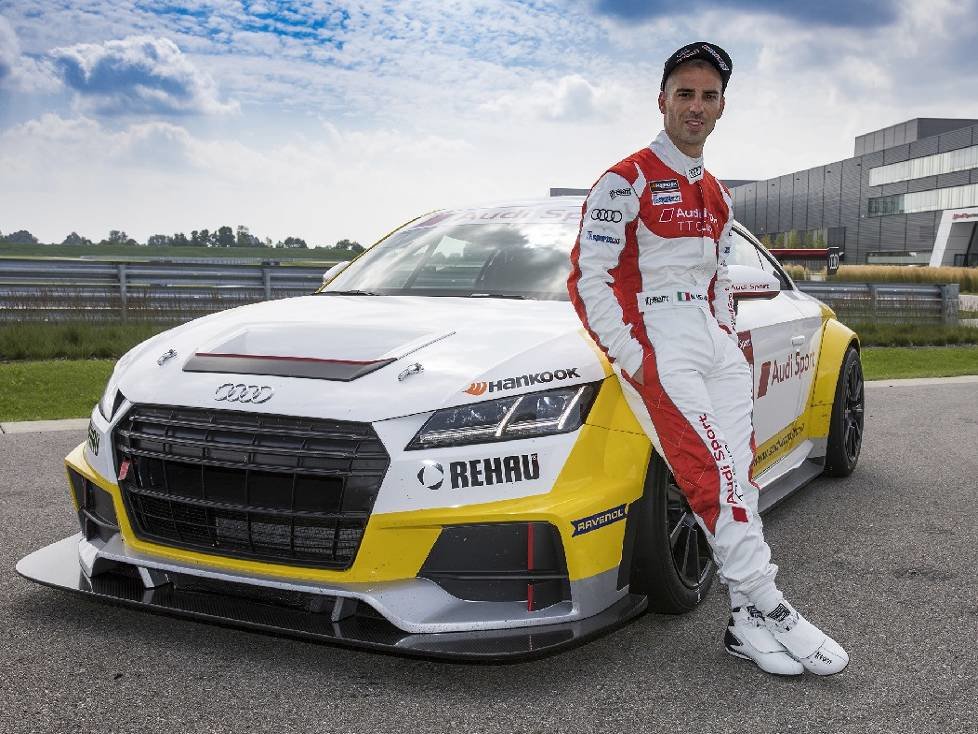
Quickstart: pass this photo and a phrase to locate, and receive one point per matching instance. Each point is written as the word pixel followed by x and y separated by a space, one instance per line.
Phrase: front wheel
pixel 846 426
pixel 673 564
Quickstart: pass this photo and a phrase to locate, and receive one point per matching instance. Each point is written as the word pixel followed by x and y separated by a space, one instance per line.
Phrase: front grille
pixel 263 487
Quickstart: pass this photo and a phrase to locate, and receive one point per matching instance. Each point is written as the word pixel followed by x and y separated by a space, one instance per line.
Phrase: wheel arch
pixel 836 340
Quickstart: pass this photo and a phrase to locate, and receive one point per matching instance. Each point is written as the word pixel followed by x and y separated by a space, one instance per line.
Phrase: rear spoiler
pixel 831 255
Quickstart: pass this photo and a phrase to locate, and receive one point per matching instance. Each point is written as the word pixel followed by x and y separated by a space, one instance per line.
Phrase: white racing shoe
pixel 748 637
pixel 814 649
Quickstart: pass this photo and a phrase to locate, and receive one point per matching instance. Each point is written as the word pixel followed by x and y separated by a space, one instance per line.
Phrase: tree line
pixel 220 237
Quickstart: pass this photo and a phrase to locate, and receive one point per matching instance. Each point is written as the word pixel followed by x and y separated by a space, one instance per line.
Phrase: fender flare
pixel 836 340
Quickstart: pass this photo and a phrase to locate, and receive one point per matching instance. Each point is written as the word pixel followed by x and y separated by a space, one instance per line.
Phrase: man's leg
pixel 749 571
pixel 677 411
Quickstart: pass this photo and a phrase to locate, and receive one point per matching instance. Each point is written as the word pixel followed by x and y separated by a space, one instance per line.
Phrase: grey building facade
pixel 887 201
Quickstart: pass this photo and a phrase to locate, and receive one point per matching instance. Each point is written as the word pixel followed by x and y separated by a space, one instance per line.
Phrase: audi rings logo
pixel 239 393
pixel 606 215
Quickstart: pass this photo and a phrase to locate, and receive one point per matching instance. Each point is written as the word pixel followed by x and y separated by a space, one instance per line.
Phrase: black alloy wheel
pixel 848 413
pixel 691 555
pixel 671 563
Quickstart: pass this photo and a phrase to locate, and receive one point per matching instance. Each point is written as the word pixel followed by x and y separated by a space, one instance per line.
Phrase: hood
pixel 347 357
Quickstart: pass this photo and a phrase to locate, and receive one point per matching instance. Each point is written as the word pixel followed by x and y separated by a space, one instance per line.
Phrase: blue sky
pixel 342 119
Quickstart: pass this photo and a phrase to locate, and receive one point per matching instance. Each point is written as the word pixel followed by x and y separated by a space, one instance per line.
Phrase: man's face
pixel 691 104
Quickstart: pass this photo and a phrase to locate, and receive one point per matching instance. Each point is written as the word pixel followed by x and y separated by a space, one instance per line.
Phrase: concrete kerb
pixel 81 424
pixel 71 424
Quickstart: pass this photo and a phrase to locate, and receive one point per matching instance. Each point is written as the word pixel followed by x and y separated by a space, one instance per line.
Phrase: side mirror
pixel 334 271
pixel 751 282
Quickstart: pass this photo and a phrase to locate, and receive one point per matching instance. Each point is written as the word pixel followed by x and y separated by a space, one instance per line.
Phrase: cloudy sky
pixel 327 119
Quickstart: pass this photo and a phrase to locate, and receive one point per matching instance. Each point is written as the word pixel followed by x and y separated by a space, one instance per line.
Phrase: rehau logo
pixel 480 472
pixel 511 383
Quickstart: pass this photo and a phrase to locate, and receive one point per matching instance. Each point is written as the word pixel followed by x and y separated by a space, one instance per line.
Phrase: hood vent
pixel 342 370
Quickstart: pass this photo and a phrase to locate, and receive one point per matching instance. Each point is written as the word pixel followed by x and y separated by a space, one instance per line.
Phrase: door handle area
pixel 797 341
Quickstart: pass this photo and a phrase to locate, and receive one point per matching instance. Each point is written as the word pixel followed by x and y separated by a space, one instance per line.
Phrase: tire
pixel 846 424
pixel 672 562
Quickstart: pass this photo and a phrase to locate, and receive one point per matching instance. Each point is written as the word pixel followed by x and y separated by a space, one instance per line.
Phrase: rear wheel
pixel 846 426
pixel 673 564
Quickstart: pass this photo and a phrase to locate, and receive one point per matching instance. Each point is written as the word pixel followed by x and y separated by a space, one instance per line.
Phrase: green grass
pixel 47 390
pixel 887 363
pixel 913 335
pixel 77 340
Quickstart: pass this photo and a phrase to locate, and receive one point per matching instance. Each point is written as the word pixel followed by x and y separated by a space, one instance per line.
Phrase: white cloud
pixel 137 75
pixel 159 177
pixel 9 48
pixel 571 98
pixel 354 120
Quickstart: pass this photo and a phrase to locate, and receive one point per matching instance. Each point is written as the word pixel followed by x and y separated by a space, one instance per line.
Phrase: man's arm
pixel 721 287
pixel 607 227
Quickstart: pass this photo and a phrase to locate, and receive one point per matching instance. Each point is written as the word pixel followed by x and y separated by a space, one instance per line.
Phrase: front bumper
pixel 96 570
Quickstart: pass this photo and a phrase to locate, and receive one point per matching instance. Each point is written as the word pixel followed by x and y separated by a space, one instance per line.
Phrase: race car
pixel 429 455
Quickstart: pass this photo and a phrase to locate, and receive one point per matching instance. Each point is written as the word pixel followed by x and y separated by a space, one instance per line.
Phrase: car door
pixel 766 327
pixel 804 335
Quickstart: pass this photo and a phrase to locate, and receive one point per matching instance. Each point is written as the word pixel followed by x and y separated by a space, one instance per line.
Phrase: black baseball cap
pixel 710 52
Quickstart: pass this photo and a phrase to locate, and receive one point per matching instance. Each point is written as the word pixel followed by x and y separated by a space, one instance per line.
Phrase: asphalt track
pixel 885 560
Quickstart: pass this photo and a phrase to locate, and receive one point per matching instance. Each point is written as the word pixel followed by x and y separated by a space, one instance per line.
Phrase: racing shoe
pixel 805 642
pixel 748 637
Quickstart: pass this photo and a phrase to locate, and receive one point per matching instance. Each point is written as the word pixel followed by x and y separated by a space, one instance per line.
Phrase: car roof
pixel 569 202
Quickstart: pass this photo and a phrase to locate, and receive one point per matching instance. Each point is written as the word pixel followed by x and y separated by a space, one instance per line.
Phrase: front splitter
pixel 57 566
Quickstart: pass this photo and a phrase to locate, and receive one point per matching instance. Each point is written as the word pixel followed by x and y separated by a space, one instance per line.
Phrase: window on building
pixel 953 197
pixel 928 165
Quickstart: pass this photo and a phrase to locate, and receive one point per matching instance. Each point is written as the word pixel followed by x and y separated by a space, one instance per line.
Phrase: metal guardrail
pixel 61 290
pixel 887 302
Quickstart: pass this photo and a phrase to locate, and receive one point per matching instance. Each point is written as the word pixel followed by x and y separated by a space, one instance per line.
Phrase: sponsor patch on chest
pixel 664 184
pixel 670 197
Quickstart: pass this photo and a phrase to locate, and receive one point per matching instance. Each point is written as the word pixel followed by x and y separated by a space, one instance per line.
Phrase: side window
pixel 743 251
pixel 770 265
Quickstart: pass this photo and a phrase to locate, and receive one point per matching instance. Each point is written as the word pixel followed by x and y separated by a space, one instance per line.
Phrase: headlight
pixel 521 416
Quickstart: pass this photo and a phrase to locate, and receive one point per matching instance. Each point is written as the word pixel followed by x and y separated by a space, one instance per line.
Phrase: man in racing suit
pixel 650 283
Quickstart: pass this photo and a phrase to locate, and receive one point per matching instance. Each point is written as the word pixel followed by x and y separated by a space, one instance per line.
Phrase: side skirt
pixel 790 482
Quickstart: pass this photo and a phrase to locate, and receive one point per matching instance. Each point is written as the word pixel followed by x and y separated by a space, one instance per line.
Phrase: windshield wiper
pixel 348 293
pixel 498 295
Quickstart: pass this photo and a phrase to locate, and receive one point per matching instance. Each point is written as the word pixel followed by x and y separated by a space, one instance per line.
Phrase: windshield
pixel 471 253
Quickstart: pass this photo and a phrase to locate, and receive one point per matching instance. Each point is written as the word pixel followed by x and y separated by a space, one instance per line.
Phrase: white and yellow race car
pixel 429 455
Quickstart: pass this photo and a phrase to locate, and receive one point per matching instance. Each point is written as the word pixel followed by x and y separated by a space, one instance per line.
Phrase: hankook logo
pixel 606 215
pixel 511 383
pixel 241 393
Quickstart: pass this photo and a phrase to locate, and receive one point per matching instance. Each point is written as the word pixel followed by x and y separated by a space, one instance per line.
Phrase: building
pixel 908 195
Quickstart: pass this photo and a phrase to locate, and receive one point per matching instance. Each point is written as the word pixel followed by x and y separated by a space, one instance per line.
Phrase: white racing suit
pixel 649 282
